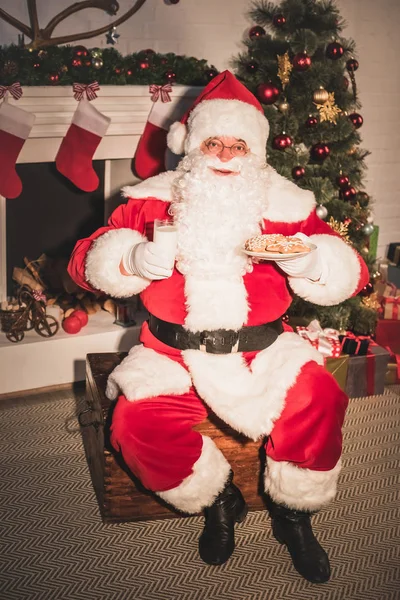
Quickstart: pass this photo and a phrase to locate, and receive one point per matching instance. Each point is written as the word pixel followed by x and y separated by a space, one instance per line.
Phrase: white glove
pixel 147 260
pixel 308 266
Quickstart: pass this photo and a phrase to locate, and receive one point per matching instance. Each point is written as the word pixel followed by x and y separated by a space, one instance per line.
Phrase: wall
pixel 213 30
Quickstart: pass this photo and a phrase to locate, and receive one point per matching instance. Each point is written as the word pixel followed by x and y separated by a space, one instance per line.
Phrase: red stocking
pixel 74 157
pixel 15 127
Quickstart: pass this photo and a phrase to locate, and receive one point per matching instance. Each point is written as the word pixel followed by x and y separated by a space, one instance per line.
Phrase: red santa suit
pixel 282 392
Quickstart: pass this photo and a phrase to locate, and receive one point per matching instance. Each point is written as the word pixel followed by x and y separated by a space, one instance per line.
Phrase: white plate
pixel 277 256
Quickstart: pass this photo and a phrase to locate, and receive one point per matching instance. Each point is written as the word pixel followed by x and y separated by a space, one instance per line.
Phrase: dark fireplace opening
pixel 49 216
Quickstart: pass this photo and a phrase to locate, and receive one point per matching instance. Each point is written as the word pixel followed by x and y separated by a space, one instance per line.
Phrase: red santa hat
pixel 225 107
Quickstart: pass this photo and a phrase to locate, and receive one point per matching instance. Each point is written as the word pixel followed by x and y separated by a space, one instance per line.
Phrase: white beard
pixel 215 216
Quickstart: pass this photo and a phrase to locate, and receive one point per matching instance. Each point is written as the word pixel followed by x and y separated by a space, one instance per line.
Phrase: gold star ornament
pixel 329 111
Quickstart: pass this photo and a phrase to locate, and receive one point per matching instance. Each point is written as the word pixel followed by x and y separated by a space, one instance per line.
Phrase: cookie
pixel 287 245
pixel 259 243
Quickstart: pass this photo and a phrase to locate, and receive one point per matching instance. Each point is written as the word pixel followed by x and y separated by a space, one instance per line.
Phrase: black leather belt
pixel 220 341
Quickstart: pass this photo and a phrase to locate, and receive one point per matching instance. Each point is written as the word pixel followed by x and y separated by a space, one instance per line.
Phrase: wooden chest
pixel 121 497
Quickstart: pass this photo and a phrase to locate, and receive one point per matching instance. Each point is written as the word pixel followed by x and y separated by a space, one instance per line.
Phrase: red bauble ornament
pixel 252 66
pixel 352 65
pixel 149 51
pixel 346 83
pixel 174 1
pixel 298 172
pixel 356 119
pixel 53 77
pixel 343 181
pixel 334 51
pixel 71 324
pixel 282 141
pixel 144 64
pixel 311 122
pixel 278 20
pixel 256 32
pixel 348 193
pixel 130 72
pixel 301 61
pixel 81 315
pixel 367 290
pixel 80 52
pixel 36 65
pixel 267 93
pixel 170 76
pixel 211 73
pixel 76 62
pixel 118 70
pixel 319 152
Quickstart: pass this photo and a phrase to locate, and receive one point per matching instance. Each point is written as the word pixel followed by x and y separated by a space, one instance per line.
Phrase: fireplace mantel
pixel 38 362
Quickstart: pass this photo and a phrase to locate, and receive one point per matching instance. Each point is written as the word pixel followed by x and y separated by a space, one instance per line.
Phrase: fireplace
pixel 41 362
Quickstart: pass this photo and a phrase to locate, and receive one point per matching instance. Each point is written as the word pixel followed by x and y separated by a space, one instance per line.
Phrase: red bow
pixel 160 90
pixel 396 304
pixel 15 90
pixel 89 89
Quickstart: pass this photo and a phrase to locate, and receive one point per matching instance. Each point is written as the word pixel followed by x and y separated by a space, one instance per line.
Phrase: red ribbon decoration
pixel 39 296
pixel 14 89
pixel 160 90
pixel 358 338
pixel 90 89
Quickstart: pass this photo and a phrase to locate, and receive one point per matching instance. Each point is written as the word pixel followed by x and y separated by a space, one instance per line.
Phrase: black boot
pixel 293 528
pixel 217 542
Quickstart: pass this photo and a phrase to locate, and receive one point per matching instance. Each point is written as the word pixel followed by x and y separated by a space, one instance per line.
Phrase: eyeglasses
pixel 215 146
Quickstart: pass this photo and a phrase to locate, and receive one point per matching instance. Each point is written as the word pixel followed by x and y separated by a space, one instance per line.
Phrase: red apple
pixel 71 324
pixel 81 315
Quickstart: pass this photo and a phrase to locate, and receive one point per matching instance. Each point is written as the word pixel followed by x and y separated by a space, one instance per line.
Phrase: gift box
pixel 391 307
pixel 393 275
pixel 325 340
pixel 387 335
pixel 391 250
pixel 338 367
pixel 392 374
pixel 366 374
pixel 354 344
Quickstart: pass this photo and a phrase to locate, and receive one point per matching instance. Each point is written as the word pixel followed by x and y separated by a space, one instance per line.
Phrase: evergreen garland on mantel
pixel 65 65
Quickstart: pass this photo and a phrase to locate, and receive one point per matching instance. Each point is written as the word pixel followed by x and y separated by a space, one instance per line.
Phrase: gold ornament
pixel 352 150
pixel 283 107
pixel 96 52
pixel 284 68
pixel 328 111
pixel 97 63
pixel 371 302
pixel 341 228
pixel 320 96
pixel 42 54
pixel 64 69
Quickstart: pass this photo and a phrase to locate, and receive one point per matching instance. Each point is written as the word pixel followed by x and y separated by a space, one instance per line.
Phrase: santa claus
pixel 215 339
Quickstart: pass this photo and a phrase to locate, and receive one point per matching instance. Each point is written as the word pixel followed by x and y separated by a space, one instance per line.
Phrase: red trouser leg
pixel 309 430
pixel 156 439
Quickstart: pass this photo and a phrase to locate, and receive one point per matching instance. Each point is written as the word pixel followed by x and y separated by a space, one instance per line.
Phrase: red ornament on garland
pixel 118 70
pixel 343 181
pixel 80 52
pixel 282 141
pixel 256 32
pixel 278 20
pixel 170 76
pixel 71 324
pixel 301 61
pixel 53 77
pixel 267 93
pixel 356 119
pixel 352 65
pixel 36 65
pixel 81 315
pixel 334 51
pixel 319 152
pixel 144 64
pixel 130 72
pixel 348 194
pixel 298 172
pixel 311 122
pixel 76 62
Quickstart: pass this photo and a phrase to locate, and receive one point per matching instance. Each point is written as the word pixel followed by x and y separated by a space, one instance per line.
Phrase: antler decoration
pixel 41 38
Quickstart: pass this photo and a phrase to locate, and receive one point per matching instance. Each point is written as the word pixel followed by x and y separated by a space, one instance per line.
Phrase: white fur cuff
pixel 103 260
pixel 210 474
pixel 341 273
pixel 300 489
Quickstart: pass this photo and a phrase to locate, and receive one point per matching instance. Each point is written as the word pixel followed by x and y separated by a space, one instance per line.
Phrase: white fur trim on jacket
pixel 300 489
pixel 209 477
pixel 286 202
pixel 232 118
pixel 103 260
pixel 158 187
pixel 251 398
pixel 341 272
pixel 215 304
pixel 145 374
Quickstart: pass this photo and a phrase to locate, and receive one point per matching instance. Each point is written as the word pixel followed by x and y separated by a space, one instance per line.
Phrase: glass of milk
pixel 166 236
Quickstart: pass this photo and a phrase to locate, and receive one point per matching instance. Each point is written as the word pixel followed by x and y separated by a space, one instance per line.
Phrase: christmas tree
pixel 304 73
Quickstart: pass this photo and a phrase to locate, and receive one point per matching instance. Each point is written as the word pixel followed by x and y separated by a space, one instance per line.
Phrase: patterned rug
pixel 55 547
